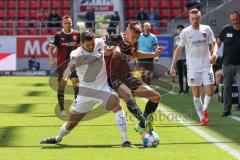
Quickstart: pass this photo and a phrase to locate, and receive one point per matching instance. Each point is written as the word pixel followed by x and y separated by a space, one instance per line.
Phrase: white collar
pixel 67 33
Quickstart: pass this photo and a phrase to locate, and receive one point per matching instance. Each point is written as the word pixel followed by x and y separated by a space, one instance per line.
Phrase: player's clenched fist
pixel 173 71
pixel 158 50
pixel 213 59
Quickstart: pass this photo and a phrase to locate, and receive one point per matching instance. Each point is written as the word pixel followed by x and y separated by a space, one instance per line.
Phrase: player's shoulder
pixel 186 30
pixel 76 52
pixel 59 33
pixel 153 35
pixel 75 32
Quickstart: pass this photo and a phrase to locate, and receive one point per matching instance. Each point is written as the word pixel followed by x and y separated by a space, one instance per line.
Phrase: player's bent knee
pixel 156 97
pixel 112 102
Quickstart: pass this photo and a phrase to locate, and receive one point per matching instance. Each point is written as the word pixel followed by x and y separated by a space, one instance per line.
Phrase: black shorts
pixel 146 63
pixel 60 71
pixel 129 80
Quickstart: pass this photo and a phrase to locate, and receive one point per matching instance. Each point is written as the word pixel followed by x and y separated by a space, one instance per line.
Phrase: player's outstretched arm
pixel 50 55
pixel 214 52
pixel 140 54
pixel 176 55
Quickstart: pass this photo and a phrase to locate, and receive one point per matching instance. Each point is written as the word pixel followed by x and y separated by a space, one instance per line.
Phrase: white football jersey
pixel 90 66
pixel 196 43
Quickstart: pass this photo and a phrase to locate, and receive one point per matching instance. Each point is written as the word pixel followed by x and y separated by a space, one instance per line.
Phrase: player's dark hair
pixel 135 26
pixel 180 26
pixel 66 17
pixel 86 35
pixel 194 11
pixel 235 12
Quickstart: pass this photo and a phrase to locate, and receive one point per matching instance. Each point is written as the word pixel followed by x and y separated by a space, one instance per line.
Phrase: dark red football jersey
pixel 65 44
pixel 119 64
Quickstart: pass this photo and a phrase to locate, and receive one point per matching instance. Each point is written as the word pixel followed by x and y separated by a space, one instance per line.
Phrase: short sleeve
pixel 222 34
pixel 54 40
pixel 182 41
pixel 155 41
pixel 211 37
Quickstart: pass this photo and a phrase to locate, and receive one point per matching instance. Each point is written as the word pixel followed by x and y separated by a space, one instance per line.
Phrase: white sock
pixel 199 107
pixel 63 132
pixel 121 122
pixel 207 100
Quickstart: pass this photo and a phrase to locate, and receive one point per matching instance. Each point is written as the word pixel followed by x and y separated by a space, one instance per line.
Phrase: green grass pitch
pixel 27 115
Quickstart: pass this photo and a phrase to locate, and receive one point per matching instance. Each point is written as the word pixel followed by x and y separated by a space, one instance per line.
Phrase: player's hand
pixel 173 71
pixel 62 84
pixel 213 59
pixel 158 50
pixel 109 50
pixel 53 64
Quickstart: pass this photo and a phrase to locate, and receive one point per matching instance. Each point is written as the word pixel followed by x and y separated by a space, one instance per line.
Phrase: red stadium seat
pixel 53 31
pixel 9 32
pixel 44 31
pixel 163 4
pixel 22 13
pixel 185 14
pixel 2 22
pixel 174 13
pixel 174 4
pixel 2 32
pixel 163 13
pixel 55 4
pixel 1 13
pixel 66 12
pixel 183 4
pixel 2 4
pixel 130 4
pixel 11 4
pixel 33 13
pixel 10 24
pixel 141 4
pixel 130 13
pixel 21 32
pixel 22 4
pixel 43 4
pixel 33 4
pixel 11 13
pixel 66 4
pixel 152 4
pixel 21 24
pixel 33 31
pixel 155 31
pixel 164 23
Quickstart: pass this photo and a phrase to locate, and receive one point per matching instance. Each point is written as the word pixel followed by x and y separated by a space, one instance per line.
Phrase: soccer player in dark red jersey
pixel 65 41
pixel 122 80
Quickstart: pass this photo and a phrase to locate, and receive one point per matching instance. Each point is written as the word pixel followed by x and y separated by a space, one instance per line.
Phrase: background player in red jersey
pixel 65 41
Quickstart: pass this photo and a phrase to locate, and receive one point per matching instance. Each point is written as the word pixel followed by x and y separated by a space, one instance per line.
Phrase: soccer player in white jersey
pixel 88 62
pixel 196 39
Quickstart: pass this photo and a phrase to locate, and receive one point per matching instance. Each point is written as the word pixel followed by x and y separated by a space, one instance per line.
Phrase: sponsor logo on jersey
pixel 74 37
pixel 192 80
pixel 204 35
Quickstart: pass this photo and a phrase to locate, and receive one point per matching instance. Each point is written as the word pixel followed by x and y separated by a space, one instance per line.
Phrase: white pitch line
pixel 235 118
pixel 201 133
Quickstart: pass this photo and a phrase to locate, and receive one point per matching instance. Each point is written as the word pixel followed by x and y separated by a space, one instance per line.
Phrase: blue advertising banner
pixel 167 42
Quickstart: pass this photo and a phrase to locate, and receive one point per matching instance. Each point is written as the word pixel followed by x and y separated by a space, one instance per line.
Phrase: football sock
pixel 76 90
pixel 199 106
pixel 207 100
pixel 136 112
pixel 63 132
pixel 121 122
pixel 150 108
pixel 60 96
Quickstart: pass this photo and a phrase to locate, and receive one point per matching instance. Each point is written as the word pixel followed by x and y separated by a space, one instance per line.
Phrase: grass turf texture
pixel 27 115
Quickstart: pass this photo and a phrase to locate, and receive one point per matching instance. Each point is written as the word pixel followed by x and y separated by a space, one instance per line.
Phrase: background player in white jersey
pixel 196 39
pixel 88 62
